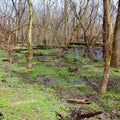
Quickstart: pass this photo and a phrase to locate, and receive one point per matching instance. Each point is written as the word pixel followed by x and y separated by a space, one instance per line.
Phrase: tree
pixel 107 38
pixel 74 33
pixel 30 54
pixel 115 60
pixel 19 7
pixel 65 20
pixel 45 25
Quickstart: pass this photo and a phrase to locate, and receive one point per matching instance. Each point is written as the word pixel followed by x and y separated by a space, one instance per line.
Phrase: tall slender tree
pixel 45 26
pixel 108 38
pixel 115 60
pixel 65 20
pixel 30 54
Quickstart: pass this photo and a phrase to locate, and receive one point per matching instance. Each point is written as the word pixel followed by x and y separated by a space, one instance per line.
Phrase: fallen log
pixel 79 101
pixel 76 115
pixel 73 70
pixel 5 60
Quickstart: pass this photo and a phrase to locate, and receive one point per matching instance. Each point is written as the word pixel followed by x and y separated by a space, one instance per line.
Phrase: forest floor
pixel 41 93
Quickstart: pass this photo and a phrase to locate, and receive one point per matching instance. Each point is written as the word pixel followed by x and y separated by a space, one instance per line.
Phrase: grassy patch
pixel 31 102
pixel 47 51
pixel 22 100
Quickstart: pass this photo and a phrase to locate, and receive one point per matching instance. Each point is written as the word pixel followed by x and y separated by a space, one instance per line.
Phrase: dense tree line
pixel 60 22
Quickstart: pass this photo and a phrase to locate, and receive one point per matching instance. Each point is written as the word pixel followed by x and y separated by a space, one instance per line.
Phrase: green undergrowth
pixel 115 72
pixel 46 51
pixel 110 102
pixel 25 101
pixel 39 92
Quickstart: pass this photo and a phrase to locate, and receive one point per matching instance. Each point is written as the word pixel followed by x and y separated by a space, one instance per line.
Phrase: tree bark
pixel 30 54
pixel 108 39
pixel 45 26
pixel 115 60
pixel 65 20
pixel 9 49
pixel 79 101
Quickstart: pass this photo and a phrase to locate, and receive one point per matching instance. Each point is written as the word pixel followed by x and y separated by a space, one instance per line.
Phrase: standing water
pixel 80 51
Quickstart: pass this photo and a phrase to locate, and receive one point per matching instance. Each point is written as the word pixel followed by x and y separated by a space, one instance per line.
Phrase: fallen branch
pixel 79 101
pixel 72 69
pixel 91 114
pixel 76 115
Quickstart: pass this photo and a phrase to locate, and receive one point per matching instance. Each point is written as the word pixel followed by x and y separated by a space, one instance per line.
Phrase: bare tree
pixel 30 54
pixel 19 11
pixel 108 39
pixel 77 27
pixel 65 20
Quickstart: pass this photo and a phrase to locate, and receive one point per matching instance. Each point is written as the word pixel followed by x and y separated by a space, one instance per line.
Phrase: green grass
pixel 33 100
pixel 25 101
pixel 46 51
pixel 115 72
pixel 28 100
pixel 42 70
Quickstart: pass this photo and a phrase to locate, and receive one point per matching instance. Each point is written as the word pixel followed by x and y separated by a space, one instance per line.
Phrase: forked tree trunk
pixel 8 42
pixel 115 60
pixel 108 38
pixel 30 54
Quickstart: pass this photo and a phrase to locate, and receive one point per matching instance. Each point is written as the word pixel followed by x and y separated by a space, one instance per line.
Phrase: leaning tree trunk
pixel 30 54
pixel 108 38
pixel 115 60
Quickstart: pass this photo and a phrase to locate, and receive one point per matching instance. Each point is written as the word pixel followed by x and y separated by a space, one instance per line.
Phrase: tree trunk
pixel 49 22
pixel 45 25
pixel 65 21
pixel 17 30
pixel 30 54
pixel 108 38
pixel 8 46
pixel 115 60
